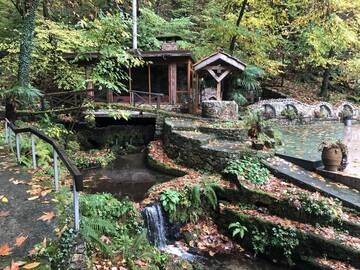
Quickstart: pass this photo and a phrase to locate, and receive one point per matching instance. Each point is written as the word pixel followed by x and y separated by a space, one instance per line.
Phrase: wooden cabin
pixel 168 72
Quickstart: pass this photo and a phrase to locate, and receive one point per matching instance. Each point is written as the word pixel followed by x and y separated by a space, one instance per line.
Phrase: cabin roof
pixel 222 58
pixel 169 37
pixel 93 57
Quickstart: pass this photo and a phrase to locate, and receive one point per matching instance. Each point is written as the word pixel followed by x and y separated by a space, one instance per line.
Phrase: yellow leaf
pixel 4 199
pixel 31 265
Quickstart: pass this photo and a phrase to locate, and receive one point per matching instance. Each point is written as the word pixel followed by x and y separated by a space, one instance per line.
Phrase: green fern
pixel 210 196
pixel 196 195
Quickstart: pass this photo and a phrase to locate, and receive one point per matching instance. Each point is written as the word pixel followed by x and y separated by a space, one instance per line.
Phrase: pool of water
pixel 128 176
pixel 303 141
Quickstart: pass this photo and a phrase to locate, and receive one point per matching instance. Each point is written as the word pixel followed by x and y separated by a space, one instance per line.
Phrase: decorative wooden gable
pixel 219 65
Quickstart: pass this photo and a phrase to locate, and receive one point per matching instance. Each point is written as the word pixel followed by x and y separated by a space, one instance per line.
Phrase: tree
pixel 22 91
pixel 326 33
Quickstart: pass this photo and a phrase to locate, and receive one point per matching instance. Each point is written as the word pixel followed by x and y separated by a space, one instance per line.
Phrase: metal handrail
pixel 58 152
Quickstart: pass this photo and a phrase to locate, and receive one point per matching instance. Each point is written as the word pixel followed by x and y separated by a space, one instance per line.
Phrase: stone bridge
pixel 275 107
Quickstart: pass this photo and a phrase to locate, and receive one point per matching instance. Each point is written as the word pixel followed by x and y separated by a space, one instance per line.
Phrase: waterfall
pixel 155 224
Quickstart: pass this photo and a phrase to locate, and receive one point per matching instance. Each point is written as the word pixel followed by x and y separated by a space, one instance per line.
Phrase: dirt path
pixel 23 214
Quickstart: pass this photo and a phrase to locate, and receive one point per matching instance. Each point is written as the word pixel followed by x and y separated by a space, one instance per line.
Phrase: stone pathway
pixel 314 182
pixel 23 214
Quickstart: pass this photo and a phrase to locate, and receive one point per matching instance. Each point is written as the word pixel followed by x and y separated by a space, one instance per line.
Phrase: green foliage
pixel 59 252
pixel 238 229
pixel 284 239
pixel 92 158
pixel 289 114
pixel 190 203
pixel 259 241
pixel 315 204
pixel 279 239
pixel 239 99
pixel 250 169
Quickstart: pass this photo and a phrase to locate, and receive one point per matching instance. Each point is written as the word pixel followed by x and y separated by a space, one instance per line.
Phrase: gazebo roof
pixel 220 58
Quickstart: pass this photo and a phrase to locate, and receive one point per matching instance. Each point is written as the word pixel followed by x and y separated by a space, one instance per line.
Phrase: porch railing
pixel 140 97
pixel 67 99
pixel 58 152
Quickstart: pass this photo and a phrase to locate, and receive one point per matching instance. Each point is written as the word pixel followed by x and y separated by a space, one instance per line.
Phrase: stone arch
pixel 325 109
pixel 348 107
pixel 269 110
pixel 291 107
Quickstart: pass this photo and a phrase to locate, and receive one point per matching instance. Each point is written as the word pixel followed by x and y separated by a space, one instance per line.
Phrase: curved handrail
pixel 74 171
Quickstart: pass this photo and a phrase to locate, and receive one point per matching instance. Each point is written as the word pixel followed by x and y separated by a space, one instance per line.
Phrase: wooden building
pixel 168 72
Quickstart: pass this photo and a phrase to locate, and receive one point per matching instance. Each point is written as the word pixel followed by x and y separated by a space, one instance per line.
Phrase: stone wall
pixel 198 150
pixel 224 110
pixel 276 106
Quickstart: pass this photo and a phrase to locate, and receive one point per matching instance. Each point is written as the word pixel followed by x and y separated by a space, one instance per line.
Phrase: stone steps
pixel 314 182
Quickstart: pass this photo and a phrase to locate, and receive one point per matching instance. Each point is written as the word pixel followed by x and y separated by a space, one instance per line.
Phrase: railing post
pixel 10 139
pixel 17 139
pixel 76 207
pixel 56 171
pixel 158 102
pixel 6 132
pixel 33 151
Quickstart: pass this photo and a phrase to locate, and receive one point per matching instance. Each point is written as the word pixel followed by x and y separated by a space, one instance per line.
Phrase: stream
pixel 130 177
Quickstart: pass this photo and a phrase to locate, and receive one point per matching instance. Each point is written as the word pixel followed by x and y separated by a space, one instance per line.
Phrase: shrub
pixel 314 204
pixel 289 114
pixel 190 203
pixel 249 168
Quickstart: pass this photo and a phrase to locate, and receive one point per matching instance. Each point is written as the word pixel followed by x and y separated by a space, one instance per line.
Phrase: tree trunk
pixel 46 13
pixel 26 44
pixel 241 15
pixel 326 77
pixel 10 112
pixel 325 82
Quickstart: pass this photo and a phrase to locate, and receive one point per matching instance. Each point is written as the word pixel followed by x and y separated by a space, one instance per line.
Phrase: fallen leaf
pixel 31 265
pixel 20 240
pixel 33 198
pixel 47 216
pixel 5 250
pixel 4 213
pixel 3 199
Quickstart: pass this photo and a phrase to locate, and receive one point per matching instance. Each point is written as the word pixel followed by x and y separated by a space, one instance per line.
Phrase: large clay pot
pixel 331 158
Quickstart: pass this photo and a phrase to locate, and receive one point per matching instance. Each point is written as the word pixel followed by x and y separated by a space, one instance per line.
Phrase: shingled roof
pixel 217 58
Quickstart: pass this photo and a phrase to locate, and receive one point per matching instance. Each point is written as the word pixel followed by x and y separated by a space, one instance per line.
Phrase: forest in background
pixel 304 47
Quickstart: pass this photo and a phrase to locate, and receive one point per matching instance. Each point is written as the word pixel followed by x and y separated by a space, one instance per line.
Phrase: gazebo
pixel 219 66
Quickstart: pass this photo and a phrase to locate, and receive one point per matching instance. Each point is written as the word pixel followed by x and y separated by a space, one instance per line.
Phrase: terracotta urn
pixel 331 158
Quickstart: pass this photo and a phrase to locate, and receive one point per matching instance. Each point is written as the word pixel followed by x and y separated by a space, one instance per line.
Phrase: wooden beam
pixel 217 77
pixel 218 91
pixel 90 85
pixel 130 87
pixel 189 78
pixel 149 83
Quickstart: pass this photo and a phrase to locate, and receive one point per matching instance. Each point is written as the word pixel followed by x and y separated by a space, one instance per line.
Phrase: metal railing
pixel 58 153
pixel 145 98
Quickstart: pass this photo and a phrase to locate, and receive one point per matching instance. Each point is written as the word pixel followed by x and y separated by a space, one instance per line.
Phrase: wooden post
pixel 149 83
pixel 130 87
pixel 189 78
pixel 109 96
pixel 90 85
pixel 218 91
pixel 172 83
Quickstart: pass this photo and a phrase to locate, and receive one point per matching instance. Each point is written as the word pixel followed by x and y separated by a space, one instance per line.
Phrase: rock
pixel 224 110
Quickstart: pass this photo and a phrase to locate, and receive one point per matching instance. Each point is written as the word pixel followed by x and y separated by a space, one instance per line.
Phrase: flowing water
pixel 156 231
